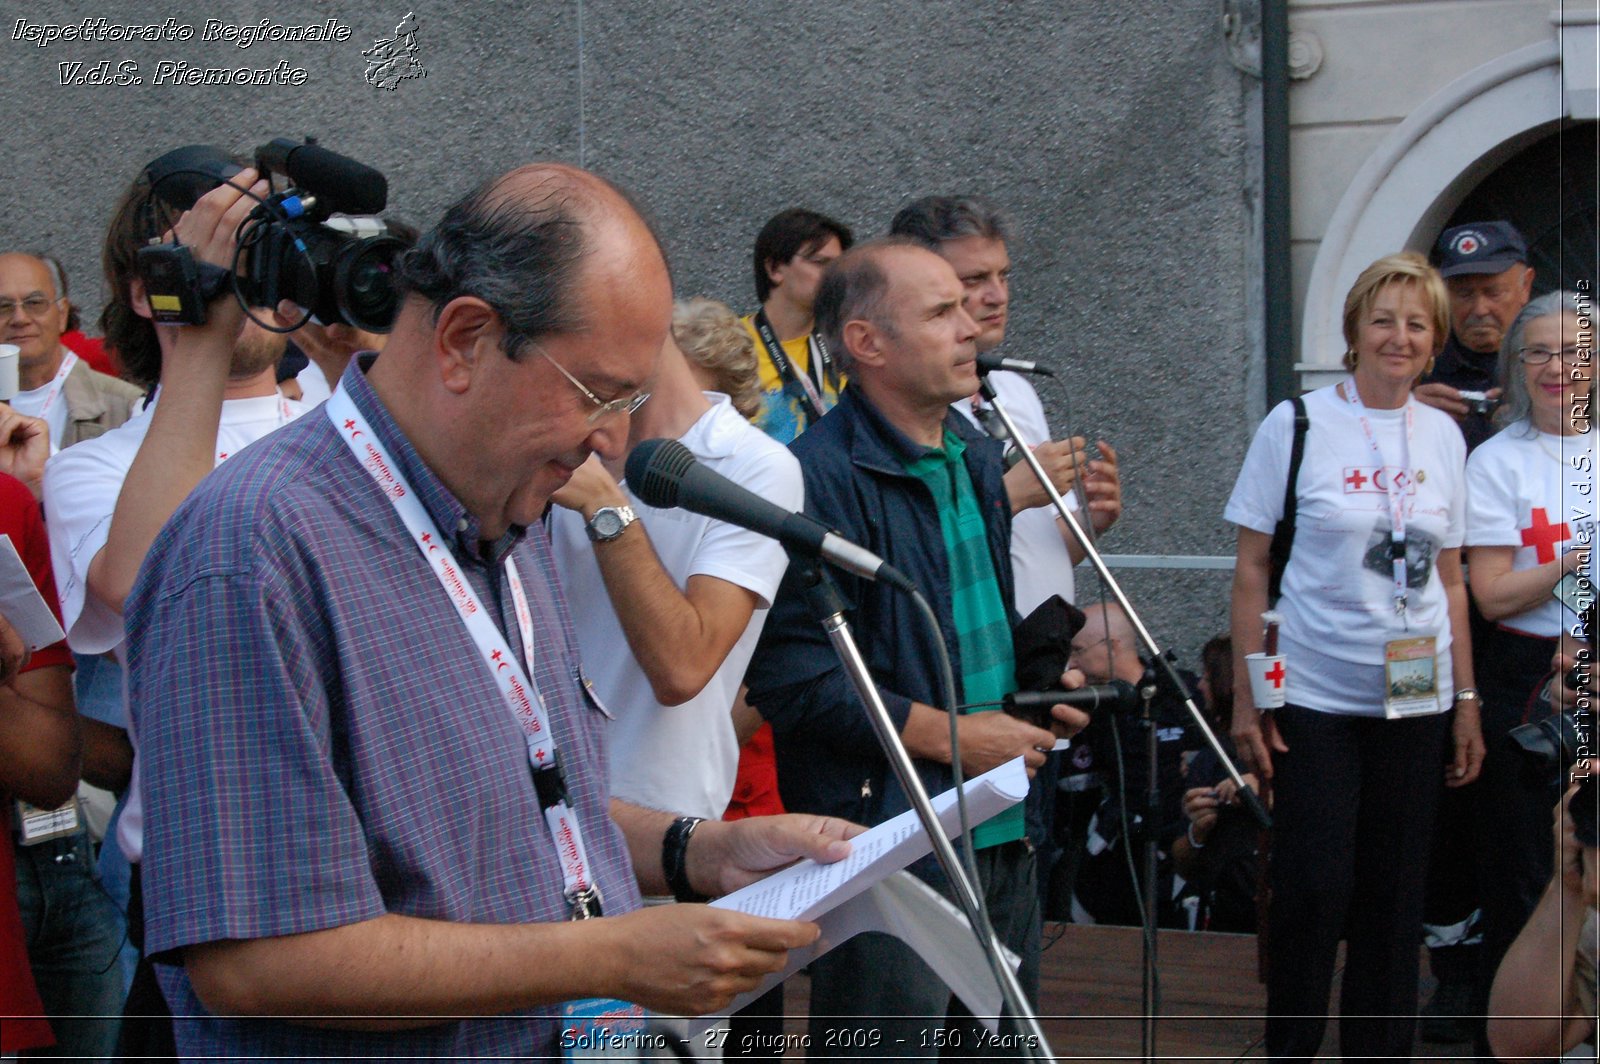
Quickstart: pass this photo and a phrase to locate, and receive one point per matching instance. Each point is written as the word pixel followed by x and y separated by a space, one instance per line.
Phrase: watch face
pixel 606 523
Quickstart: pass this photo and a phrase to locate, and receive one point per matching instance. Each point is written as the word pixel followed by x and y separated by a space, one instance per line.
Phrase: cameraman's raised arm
pixel 1534 1011
pixel 196 362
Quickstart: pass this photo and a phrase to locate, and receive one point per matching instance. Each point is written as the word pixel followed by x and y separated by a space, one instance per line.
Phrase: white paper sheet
pixel 808 889
pixel 864 893
pixel 21 603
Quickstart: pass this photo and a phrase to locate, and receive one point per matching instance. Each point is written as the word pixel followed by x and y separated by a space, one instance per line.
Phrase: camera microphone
pixel 664 474
pixel 344 185
pixel 1115 696
pixel 988 362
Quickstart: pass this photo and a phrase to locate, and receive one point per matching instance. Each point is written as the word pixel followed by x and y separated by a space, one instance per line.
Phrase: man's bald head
pixel 1106 647
pixel 523 242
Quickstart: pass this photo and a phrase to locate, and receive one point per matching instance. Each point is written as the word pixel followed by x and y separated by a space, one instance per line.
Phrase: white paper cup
pixel 10 356
pixel 1268 679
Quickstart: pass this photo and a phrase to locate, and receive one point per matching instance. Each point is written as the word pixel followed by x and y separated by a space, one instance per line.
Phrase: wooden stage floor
pixel 1211 1003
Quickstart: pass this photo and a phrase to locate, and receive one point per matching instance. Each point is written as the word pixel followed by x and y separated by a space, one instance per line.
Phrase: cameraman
pixel 106 498
pixel 1543 1002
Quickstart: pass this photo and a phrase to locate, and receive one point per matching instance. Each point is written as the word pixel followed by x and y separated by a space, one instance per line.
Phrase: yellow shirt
pixel 782 415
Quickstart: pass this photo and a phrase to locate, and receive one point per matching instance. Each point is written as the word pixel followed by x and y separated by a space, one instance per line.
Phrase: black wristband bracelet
pixel 674 862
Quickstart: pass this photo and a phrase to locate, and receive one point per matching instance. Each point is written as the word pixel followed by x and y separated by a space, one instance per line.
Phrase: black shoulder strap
pixel 1283 534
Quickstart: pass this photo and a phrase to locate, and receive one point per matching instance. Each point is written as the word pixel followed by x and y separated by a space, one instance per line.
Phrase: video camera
pixel 1554 743
pixel 318 241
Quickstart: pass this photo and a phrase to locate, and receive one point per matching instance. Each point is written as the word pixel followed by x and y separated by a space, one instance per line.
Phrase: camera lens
pixel 364 279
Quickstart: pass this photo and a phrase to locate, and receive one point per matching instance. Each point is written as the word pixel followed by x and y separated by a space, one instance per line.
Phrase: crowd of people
pixel 426 734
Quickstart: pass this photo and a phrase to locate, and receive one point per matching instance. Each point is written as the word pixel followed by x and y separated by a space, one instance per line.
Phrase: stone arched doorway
pixel 1422 172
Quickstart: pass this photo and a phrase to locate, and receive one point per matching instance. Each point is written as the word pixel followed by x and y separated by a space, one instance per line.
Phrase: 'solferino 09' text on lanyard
pixel 521 696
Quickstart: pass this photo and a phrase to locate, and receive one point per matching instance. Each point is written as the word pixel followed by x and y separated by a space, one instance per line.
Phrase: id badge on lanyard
pixel 602 1029
pixel 1410 677
pixel 35 825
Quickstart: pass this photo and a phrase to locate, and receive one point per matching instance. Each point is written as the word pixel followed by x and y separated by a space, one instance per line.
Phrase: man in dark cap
pixel 1485 270
pixel 1485 267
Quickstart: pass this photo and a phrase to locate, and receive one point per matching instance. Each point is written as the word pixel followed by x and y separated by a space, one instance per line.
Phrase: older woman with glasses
pixel 1530 522
pixel 1377 654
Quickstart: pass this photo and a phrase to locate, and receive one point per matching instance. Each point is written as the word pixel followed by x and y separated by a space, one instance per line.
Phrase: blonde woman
pixel 1375 635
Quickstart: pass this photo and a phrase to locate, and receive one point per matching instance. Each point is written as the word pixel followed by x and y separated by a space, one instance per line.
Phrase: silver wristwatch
pixel 609 522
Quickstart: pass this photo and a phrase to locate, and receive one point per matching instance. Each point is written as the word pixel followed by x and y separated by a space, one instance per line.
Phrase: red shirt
pixel 24 1026
pixel 92 350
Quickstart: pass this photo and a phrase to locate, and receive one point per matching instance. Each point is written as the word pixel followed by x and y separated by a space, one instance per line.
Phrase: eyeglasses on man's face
pixel 34 306
pixel 603 408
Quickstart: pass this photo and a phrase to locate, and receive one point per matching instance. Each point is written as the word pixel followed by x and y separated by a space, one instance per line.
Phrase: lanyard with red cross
pixel 68 361
pixel 521 696
pixel 1394 487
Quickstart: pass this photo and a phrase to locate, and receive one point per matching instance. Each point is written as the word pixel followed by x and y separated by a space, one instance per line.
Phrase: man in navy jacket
pixel 893 470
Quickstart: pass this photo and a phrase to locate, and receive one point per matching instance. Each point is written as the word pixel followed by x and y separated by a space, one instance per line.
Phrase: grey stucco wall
pixel 1114 132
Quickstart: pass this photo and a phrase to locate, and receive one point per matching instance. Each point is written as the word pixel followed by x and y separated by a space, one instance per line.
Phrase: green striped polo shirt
pixel 983 626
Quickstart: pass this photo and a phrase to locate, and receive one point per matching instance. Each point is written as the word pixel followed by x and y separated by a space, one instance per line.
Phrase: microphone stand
pixel 828 607
pixel 1152 882
pixel 1247 795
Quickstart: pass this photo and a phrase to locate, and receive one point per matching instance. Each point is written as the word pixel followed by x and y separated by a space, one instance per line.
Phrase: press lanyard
pixel 50 397
pixel 821 361
pixel 522 697
pixel 1394 487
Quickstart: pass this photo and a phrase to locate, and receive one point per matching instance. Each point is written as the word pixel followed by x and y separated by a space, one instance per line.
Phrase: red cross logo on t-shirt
pixel 1542 536
pixel 1356 479
pixel 1276 674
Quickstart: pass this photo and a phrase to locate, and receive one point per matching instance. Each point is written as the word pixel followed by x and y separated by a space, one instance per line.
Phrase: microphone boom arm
pixel 1247 794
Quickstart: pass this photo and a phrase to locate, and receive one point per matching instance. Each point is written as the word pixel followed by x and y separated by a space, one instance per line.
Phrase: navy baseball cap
pixel 1480 247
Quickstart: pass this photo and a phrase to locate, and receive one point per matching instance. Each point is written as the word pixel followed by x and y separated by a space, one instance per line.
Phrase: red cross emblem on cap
pixel 1542 536
pixel 1276 674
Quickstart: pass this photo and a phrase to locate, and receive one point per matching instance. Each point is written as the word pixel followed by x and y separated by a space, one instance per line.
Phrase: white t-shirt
pixel 32 402
pixel 1533 491
pixel 681 758
pixel 81 485
pixel 1040 563
pixel 1338 588
pixel 314 387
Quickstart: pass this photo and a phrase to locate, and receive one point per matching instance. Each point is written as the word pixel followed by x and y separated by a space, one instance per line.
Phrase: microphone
pixel 664 474
pixel 1034 706
pixel 342 184
pixel 988 362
